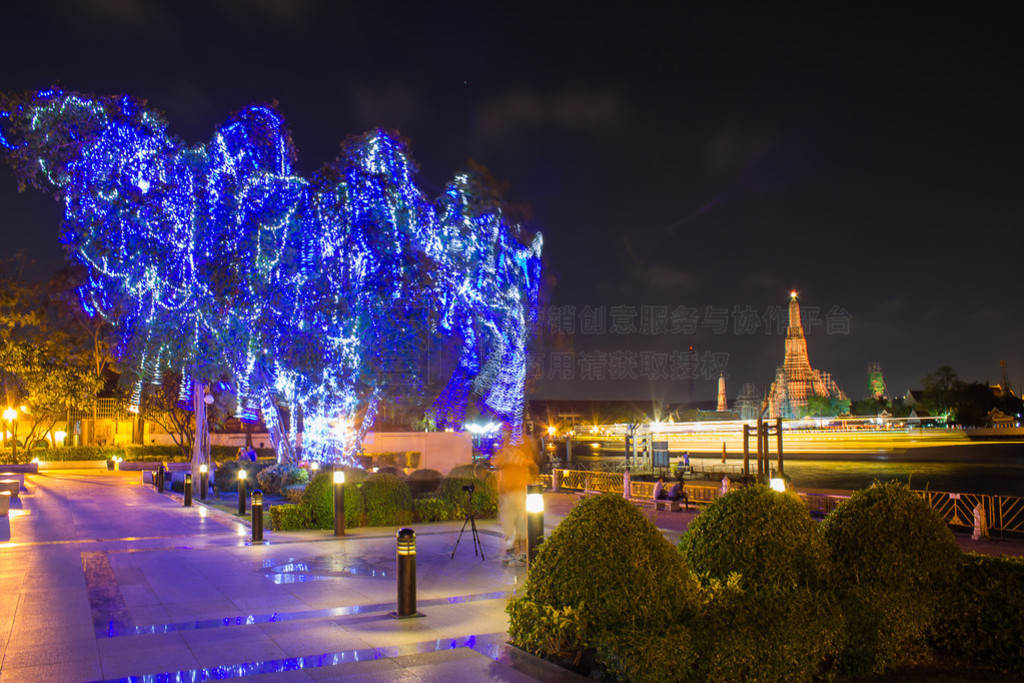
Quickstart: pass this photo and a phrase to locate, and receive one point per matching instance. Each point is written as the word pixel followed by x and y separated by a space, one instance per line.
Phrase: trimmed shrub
pixel 404 460
pixel 65 453
pixel 293 493
pixel 318 496
pixel 476 471
pixel 621 578
pixel 431 510
pixel 485 496
pixel 893 559
pixel 424 483
pixel 393 471
pixel 982 617
pixel 275 478
pixel 388 500
pixel 767 537
pixel 142 453
pixel 289 517
pixel 771 634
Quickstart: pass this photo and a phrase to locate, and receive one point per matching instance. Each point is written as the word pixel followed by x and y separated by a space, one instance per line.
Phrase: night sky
pixel 687 166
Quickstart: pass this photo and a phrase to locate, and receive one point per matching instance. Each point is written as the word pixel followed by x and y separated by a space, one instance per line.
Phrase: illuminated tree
pixel 219 257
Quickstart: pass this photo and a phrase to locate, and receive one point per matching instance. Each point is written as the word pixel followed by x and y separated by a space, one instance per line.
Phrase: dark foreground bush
pixel 982 618
pixel 767 537
pixel 607 579
pixel 388 501
pixel 431 510
pixel 225 477
pixel 894 559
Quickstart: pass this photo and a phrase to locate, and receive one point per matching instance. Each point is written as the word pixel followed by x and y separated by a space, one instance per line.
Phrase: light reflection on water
pixel 989 468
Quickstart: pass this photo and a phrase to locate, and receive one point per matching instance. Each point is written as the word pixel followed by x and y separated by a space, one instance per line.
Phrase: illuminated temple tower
pixel 795 380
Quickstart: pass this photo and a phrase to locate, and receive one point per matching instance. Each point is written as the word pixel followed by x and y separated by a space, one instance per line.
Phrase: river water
pixel 996 469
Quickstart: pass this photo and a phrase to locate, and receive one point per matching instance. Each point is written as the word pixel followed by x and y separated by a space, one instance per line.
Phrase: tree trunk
pixel 201 440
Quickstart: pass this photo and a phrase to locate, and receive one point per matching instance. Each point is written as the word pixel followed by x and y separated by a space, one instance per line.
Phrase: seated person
pixel 659 489
pixel 676 492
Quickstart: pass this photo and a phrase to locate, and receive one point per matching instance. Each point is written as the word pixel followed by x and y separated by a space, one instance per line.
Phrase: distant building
pixel 749 404
pixel 795 380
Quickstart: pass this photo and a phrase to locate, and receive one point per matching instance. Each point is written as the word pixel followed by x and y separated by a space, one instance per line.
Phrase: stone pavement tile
pixel 297 676
pixel 381 629
pixel 478 669
pixel 266 604
pixel 328 594
pixel 37 653
pixel 25 634
pixel 138 595
pixel 147 654
pixel 254 646
pixel 345 672
pixel 321 636
pixel 199 610
pixel 455 621
pixel 38 614
pixel 148 615
pixel 76 670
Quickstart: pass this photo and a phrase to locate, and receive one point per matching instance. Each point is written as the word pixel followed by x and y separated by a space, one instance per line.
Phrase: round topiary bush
pixel 274 479
pixel 894 557
pixel 318 496
pixel 424 483
pixel 393 471
pixel 388 500
pixel 614 573
pixel 766 536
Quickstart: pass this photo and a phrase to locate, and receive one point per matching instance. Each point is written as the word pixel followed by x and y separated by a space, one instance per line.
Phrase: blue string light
pixel 218 258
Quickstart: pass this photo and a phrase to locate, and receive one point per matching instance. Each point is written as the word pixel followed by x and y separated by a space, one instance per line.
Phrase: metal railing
pixel 1003 513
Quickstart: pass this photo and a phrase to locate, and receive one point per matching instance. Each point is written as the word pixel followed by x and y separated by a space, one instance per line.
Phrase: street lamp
pixel 339 502
pixel 534 520
pixel 204 482
pixel 241 491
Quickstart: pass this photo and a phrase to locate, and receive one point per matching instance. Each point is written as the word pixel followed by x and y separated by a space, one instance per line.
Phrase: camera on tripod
pixel 469 488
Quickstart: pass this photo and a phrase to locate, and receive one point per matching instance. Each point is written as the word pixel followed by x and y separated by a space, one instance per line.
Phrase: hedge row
pixel 382 499
pixel 759 591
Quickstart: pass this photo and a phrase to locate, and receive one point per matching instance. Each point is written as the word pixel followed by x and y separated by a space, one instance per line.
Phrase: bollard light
pixel 534 521
pixel 241 491
pixel 160 479
pixel 406 540
pixel 204 481
pixel 779 481
pixel 339 502
pixel 314 466
pixel 257 516
pixel 188 490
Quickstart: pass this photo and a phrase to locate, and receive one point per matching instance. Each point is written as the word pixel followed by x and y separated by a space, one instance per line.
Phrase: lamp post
pixel 534 521
pixel 204 482
pixel 187 502
pixel 11 416
pixel 257 516
pixel 339 502
pixel 241 491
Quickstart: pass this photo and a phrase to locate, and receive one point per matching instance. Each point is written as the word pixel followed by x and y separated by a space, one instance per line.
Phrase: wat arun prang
pixel 795 380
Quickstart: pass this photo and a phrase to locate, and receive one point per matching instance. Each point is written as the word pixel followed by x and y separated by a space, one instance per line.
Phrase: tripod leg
pixel 460 538
pixel 476 539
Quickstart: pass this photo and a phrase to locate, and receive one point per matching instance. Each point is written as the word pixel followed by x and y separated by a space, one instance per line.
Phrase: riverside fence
pixel 1004 513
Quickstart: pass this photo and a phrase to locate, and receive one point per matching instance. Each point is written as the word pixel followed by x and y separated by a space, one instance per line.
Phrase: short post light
pixel 534 521
pixel 257 516
pixel 204 480
pixel 160 479
pixel 188 490
pixel 339 502
pixel 779 481
pixel 241 491
pixel 406 539
pixel 313 468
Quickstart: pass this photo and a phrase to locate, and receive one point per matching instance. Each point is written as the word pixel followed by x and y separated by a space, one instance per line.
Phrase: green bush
pixel 475 471
pixel 66 453
pixel 388 501
pixel 772 634
pixel 424 483
pixel 767 537
pixel 619 575
pixel 293 493
pixel 143 453
pixel 225 477
pixel 431 510
pixel 289 517
pixel 393 471
pixel 318 496
pixel 982 617
pixel 893 558
pixel 485 496
pixel 275 478
pixel 405 460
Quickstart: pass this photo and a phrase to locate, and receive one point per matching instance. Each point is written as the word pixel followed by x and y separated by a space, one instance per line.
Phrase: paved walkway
pixel 103 578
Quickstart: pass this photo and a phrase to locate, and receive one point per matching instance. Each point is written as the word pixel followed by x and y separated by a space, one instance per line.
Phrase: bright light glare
pixel 535 502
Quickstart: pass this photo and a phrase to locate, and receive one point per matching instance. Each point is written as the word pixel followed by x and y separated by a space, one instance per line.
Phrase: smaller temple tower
pixel 723 404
